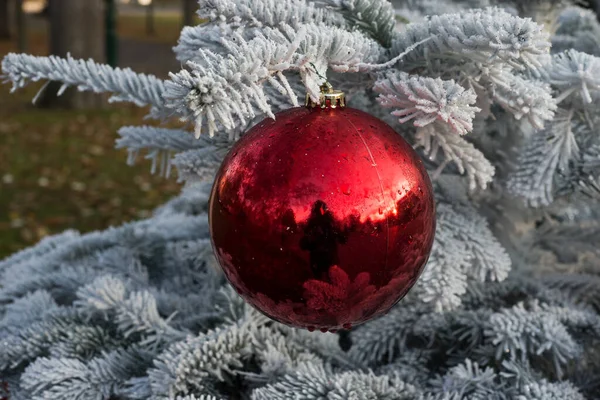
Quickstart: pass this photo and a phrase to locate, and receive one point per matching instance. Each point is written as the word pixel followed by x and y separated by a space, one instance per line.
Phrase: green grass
pixel 59 169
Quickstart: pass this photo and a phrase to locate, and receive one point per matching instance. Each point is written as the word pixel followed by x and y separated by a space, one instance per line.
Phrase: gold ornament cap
pixel 328 98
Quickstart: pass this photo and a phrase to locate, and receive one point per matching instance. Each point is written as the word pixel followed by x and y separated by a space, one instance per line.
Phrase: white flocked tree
pixel 499 97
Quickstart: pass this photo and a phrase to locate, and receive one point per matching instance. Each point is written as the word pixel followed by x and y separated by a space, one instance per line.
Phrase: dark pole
pixel 150 31
pixel 112 45
pixel 21 27
pixel 5 18
pixel 189 9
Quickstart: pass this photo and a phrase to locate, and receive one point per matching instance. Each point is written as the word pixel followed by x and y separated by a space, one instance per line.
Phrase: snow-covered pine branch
pixel 194 364
pixel 225 88
pixel 374 17
pixel 69 378
pixel 268 13
pixel 469 380
pixel 201 164
pixel 124 84
pixel 486 36
pixel 578 29
pixel 162 143
pixel 426 100
pixel 443 281
pixel 205 36
pixel 320 381
pixel 468 159
pixel 575 73
pixel 464 249
pixel 524 98
pixel 546 152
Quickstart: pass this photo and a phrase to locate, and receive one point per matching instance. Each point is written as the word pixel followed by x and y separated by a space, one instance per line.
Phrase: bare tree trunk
pixel 189 9
pixel 76 27
pixel 5 31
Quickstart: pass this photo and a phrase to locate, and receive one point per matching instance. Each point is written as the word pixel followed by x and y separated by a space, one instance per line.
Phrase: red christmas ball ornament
pixel 322 218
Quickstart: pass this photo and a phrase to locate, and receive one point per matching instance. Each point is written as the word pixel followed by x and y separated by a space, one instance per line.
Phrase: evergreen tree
pixel 500 105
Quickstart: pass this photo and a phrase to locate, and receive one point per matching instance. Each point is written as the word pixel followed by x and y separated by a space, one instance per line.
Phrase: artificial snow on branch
pixel 68 378
pixel 201 164
pixel 124 84
pixel 464 249
pixel 524 98
pixel 457 150
pixel 486 36
pixel 225 88
pixel 160 143
pixel 575 73
pixel 578 29
pixel 546 152
pixel 268 13
pixel 427 100
pixel 207 37
pixel 375 17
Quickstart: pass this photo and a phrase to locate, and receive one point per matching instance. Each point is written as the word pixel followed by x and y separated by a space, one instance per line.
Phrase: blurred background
pixel 58 165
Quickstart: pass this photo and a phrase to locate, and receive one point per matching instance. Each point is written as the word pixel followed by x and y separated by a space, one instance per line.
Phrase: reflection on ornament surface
pixel 322 218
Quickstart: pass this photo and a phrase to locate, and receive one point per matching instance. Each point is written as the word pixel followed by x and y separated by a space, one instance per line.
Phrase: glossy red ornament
pixel 322 218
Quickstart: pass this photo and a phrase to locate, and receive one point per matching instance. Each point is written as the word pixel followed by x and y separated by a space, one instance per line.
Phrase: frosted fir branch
pixel 136 313
pixel 528 384
pixel 464 249
pixel 35 340
pixel 139 314
pixel 278 354
pixel 284 348
pixel 578 29
pixel 575 19
pixel 545 153
pixel 63 277
pixel 591 158
pixel 84 342
pixel 546 390
pixel 409 366
pixel 574 73
pixel 225 88
pixel 523 330
pixel 412 11
pixel 426 100
pixel 444 280
pixel 190 365
pixel 44 246
pixel 26 310
pixel 383 340
pixel 570 241
pixel 469 380
pixel 374 17
pixel 161 143
pixel 318 381
pixel 491 262
pixel 104 293
pixel 68 378
pixel 524 98
pixel 193 200
pixel 464 155
pixel 207 37
pixel 486 36
pixel 268 13
pixel 202 164
pixel 580 288
pixel 124 84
